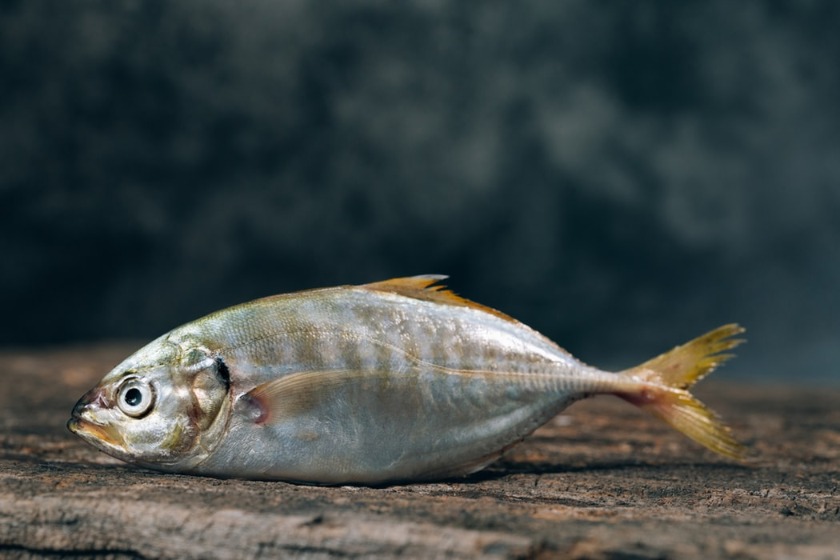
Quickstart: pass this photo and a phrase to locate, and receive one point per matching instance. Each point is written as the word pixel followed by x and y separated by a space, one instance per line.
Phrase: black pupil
pixel 133 397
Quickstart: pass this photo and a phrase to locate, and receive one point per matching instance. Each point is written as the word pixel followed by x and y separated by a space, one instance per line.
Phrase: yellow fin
pixel 426 288
pixel 664 384
pixel 683 412
pixel 685 365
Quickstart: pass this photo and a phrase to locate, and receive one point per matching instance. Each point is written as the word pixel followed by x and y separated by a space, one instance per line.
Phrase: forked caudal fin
pixel 664 382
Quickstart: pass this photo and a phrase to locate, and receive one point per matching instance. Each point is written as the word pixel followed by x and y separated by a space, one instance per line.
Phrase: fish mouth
pixel 92 432
pixel 82 421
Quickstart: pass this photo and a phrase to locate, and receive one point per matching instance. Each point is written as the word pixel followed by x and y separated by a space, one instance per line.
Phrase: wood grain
pixel 601 481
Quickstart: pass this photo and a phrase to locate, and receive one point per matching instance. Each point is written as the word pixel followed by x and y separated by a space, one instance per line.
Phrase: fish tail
pixel 661 386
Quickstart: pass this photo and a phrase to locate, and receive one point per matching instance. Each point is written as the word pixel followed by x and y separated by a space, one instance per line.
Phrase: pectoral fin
pixel 297 393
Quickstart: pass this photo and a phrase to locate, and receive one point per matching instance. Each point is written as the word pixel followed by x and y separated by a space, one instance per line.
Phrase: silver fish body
pixel 392 381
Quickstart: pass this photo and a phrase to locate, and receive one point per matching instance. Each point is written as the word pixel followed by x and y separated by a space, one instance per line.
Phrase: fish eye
pixel 136 398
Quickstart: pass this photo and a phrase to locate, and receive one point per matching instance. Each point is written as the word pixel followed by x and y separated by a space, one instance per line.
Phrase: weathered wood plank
pixel 603 481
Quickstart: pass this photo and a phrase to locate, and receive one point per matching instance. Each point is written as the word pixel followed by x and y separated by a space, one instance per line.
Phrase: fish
pixel 388 382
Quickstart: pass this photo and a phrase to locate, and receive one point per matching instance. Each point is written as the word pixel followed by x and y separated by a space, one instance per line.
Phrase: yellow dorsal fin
pixel 426 288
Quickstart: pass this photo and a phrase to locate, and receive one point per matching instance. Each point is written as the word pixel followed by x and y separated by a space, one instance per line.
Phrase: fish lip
pixel 90 431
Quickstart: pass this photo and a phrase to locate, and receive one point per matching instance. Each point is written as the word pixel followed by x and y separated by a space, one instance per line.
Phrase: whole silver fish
pixel 392 381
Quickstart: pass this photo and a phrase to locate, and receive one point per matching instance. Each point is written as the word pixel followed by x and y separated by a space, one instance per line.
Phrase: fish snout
pixel 79 410
pixel 89 419
pixel 86 416
pixel 91 402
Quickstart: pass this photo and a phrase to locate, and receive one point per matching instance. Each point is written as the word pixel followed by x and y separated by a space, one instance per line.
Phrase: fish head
pixel 160 407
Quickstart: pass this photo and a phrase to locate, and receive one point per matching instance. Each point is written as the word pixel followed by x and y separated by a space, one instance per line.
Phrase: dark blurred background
pixel 621 176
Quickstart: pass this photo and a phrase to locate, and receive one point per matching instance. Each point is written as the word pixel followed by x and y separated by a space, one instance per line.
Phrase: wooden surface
pixel 600 481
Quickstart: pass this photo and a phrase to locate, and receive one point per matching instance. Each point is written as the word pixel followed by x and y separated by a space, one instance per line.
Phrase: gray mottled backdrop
pixel 620 175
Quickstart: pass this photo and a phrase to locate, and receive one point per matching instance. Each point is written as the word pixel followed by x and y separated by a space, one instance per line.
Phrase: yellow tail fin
pixel 665 381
